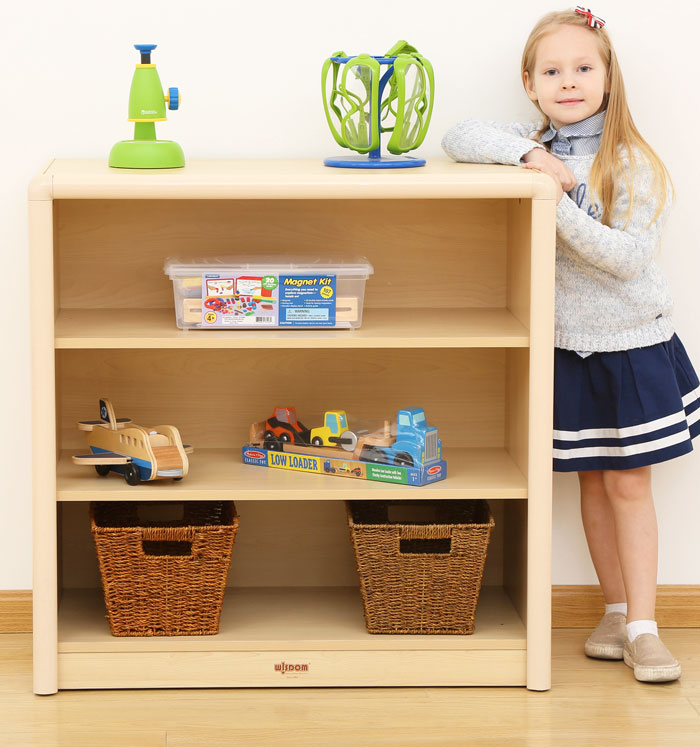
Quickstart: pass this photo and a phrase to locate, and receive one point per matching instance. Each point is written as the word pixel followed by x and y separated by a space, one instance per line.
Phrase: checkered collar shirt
pixel 577 139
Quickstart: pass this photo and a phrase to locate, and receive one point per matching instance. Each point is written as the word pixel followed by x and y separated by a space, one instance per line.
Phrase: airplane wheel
pixel 132 474
pixel 102 469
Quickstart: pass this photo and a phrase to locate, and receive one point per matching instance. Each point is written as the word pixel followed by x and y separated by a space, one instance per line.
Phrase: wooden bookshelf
pixel 458 319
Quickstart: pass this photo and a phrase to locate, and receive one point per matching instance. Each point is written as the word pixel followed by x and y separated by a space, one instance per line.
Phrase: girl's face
pixel 569 79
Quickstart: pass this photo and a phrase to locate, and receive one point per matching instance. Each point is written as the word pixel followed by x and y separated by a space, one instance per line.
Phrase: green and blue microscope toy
pixel 358 111
pixel 146 107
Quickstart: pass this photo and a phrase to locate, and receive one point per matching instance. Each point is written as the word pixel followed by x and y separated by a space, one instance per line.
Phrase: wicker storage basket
pixel 164 577
pixel 420 563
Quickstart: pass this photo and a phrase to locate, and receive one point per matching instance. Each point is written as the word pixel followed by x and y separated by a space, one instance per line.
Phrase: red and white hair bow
pixel 593 21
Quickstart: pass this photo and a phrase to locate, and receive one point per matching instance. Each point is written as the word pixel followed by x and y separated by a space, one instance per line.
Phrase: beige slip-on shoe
pixel 650 659
pixel 607 641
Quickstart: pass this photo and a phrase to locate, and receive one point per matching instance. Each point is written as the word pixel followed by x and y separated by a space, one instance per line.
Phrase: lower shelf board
pixel 220 475
pixel 298 637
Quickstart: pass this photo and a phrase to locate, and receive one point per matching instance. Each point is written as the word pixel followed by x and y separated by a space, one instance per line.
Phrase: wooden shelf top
pixel 286 619
pixel 286 179
pixel 219 474
pixel 381 328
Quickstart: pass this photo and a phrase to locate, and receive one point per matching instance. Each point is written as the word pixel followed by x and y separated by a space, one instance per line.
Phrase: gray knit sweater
pixel 610 294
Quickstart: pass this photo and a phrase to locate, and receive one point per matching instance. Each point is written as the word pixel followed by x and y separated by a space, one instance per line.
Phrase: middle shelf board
pixel 381 328
pixel 275 618
pixel 219 474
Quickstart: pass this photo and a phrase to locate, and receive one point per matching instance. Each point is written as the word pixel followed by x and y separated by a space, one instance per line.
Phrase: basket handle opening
pixel 167 547
pixel 409 513
pixel 422 546
pixel 160 512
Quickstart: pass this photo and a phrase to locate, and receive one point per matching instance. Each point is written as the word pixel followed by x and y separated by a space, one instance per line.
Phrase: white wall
pixel 249 75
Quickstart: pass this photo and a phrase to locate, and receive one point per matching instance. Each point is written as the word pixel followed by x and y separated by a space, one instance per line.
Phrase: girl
pixel 625 393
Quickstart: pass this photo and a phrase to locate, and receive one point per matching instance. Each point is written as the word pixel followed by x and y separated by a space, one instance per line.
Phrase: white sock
pixel 637 627
pixel 617 607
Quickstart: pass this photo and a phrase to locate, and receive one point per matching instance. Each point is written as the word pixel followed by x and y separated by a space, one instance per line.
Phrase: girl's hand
pixel 546 170
pixel 550 164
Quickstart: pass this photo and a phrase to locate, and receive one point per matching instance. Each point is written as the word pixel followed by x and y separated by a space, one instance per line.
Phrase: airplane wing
pixel 105 457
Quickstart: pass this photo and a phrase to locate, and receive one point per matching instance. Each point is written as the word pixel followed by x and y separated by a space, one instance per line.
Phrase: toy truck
pixel 415 442
pixel 411 442
pixel 329 434
pixel 285 427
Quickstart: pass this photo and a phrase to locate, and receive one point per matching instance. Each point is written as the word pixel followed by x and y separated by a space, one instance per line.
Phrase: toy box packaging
pixel 406 451
pixel 267 293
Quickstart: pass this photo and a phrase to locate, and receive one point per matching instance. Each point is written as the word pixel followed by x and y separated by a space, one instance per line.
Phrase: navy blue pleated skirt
pixel 625 409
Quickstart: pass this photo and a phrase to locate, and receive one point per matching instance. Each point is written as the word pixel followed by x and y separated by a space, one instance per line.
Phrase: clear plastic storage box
pixel 261 292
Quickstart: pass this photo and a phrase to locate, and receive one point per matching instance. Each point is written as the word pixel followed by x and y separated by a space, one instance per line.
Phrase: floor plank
pixel 590 703
pixel 69 736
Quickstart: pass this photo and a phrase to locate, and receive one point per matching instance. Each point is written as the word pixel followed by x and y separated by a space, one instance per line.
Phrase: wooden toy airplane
pixel 140 454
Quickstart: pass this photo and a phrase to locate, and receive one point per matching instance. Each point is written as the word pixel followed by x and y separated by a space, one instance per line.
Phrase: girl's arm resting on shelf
pixel 475 141
pixel 622 250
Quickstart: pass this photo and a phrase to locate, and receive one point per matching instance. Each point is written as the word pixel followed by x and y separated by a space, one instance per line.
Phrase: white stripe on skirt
pixel 623 451
pixel 635 430
pixel 691 397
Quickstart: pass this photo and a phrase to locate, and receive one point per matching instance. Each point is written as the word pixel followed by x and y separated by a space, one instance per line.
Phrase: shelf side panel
pixel 44 446
pixel 515 557
pixel 517 412
pixel 539 573
pixel 519 230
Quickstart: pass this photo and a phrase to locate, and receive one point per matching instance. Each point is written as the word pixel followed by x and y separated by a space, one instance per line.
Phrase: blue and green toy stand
pixel 358 111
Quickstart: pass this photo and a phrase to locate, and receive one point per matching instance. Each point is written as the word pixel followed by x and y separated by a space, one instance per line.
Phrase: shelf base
pixel 292 637
pixel 292 669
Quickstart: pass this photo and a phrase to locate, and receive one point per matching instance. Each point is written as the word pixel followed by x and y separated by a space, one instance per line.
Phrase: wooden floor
pixel 590 703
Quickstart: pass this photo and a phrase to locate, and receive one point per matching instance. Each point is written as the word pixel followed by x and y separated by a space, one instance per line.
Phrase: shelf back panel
pixel 434 253
pixel 214 396
pixel 278 543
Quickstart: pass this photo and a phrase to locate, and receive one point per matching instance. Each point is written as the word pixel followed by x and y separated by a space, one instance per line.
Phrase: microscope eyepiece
pixel 145 50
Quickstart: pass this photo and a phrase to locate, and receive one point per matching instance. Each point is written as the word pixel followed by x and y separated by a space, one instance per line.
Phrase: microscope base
pixel 146 154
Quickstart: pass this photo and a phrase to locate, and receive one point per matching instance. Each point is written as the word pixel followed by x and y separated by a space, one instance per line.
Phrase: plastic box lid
pixel 294 264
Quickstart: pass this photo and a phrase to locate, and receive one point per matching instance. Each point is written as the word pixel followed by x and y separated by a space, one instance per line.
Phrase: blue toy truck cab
pixel 416 438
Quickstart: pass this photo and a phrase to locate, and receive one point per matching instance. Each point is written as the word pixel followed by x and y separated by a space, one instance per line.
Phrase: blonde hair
pixel 619 132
